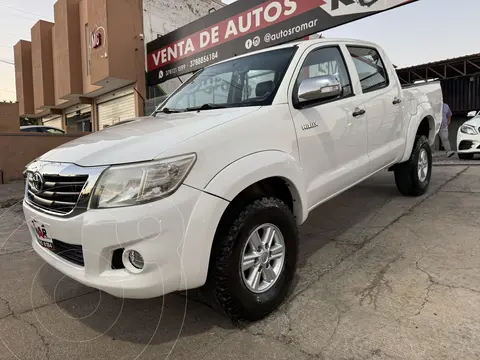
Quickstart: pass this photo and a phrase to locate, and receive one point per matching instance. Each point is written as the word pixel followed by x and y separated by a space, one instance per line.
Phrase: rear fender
pixel 423 111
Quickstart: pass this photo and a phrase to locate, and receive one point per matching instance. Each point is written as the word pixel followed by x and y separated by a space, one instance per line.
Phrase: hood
pixel 142 139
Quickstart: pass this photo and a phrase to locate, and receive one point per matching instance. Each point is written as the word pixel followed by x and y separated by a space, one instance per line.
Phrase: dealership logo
pixel 96 39
pixel 336 3
pixel 349 7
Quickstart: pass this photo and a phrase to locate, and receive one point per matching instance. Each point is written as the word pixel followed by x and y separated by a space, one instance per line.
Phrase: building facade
pixel 9 117
pixel 86 70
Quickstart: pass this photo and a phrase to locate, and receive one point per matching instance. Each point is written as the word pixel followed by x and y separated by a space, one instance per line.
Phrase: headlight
pixel 467 129
pixel 140 183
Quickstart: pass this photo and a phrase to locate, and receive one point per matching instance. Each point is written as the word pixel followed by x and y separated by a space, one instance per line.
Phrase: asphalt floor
pixel 380 276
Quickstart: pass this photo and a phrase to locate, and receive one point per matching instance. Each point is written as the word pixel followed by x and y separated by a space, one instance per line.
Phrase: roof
pixel 444 61
pixel 450 68
pixel 303 43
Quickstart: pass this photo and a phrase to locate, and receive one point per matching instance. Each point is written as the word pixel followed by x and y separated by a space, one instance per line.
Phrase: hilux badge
pixel 309 126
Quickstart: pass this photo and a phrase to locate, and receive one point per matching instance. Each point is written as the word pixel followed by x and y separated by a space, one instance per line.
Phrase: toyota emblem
pixel 37 182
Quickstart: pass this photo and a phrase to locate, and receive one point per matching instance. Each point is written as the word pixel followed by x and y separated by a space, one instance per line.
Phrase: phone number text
pixel 192 63
pixel 203 59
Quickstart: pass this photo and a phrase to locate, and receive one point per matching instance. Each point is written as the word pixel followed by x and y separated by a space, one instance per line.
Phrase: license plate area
pixel 42 233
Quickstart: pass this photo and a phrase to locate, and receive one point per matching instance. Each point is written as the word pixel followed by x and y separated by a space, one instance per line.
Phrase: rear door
pixel 332 140
pixel 382 101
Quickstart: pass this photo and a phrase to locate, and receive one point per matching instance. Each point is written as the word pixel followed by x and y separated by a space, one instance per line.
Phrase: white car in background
pixel 468 137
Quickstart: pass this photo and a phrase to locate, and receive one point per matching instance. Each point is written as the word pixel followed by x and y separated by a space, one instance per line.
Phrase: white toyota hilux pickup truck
pixel 207 193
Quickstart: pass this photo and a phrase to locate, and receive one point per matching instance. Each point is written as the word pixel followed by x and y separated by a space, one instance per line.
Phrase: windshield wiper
pixel 172 111
pixel 207 106
pixel 168 111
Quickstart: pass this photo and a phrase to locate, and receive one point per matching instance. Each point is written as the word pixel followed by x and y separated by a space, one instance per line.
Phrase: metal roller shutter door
pixel 55 122
pixel 72 111
pixel 113 111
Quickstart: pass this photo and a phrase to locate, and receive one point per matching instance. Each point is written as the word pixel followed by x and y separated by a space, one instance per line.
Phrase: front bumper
pixel 157 230
pixel 468 143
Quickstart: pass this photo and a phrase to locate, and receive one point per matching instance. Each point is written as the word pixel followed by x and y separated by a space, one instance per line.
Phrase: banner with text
pixel 249 25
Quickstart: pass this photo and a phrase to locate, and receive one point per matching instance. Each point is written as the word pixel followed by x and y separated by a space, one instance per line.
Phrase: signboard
pixel 249 25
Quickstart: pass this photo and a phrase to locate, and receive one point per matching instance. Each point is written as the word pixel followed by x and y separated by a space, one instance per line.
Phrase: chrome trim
pixel 319 88
pixel 66 169
pixel 37 182
pixel 309 125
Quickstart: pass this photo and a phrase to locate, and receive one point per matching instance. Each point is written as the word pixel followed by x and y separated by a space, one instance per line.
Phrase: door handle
pixel 396 101
pixel 358 112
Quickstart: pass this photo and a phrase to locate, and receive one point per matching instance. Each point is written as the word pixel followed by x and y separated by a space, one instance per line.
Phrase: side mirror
pixel 319 88
pixel 472 114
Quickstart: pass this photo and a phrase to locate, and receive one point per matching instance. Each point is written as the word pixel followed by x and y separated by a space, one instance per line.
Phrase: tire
pixel 407 177
pixel 465 156
pixel 226 289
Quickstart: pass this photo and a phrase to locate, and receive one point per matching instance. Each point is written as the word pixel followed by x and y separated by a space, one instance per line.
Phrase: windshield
pixel 248 81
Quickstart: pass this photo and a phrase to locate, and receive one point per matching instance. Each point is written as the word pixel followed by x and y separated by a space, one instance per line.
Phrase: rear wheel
pixel 253 261
pixel 413 176
pixel 465 156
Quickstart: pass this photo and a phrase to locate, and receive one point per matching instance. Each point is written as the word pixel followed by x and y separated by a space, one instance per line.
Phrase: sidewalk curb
pixel 455 164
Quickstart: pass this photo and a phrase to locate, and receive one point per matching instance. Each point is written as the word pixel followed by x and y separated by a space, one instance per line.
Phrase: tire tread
pixel 216 292
pixel 405 172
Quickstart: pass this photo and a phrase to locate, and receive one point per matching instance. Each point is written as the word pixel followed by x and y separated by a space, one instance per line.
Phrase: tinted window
pixel 370 67
pixel 326 61
pixel 248 81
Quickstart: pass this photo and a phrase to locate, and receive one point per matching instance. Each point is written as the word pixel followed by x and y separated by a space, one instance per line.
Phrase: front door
pixel 332 134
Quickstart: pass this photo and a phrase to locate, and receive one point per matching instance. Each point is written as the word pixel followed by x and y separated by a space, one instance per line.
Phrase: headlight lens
pixel 128 185
pixel 467 129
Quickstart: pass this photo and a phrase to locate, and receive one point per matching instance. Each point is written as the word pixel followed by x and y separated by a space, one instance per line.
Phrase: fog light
pixel 136 259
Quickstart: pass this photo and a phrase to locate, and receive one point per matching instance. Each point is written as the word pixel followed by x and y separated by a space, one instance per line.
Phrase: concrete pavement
pixel 380 277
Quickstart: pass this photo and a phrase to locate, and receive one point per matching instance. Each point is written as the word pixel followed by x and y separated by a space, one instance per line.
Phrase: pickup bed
pixel 207 192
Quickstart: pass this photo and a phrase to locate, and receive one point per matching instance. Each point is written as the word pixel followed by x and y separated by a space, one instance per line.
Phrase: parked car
pixel 207 193
pixel 468 137
pixel 41 129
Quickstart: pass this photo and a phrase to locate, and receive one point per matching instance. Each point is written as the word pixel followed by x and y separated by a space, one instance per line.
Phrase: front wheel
pixel 413 176
pixel 253 261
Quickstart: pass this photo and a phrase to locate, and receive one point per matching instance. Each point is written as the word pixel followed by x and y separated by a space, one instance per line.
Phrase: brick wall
pixel 9 117
pixel 18 149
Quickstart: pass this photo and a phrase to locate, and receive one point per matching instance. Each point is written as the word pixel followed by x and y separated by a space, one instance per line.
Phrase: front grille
pixel 72 253
pixel 59 194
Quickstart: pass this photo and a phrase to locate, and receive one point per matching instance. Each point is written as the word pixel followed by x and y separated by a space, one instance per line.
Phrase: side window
pixel 326 61
pixel 370 67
